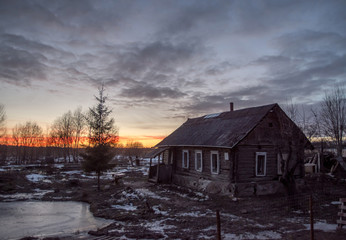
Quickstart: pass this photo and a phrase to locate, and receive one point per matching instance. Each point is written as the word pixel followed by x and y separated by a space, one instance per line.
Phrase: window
pixel 261 159
pixel 281 162
pixel 185 158
pixel 198 160
pixel 214 162
pixel 226 156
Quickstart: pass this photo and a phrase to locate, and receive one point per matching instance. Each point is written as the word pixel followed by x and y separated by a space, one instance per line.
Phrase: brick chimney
pixel 231 105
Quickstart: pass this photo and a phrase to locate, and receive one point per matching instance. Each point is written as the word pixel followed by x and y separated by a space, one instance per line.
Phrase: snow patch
pixel 323 226
pixel 231 216
pixel 127 195
pixel 73 172
pixel 35 177
pixel 149 193
pixel 158 226
pixel 259 235
pixel 157 210
pixel 26 196
pixel 129 207
pixel 192 214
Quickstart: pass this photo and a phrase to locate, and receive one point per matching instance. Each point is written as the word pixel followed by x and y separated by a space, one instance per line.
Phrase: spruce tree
pixel 102 137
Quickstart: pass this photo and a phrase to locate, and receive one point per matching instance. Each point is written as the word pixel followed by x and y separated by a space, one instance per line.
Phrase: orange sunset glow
pixel 147 141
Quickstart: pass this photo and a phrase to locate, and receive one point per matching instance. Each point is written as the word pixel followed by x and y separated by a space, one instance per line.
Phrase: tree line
pixel 66 138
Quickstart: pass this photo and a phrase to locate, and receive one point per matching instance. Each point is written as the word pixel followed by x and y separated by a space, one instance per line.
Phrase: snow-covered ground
pixel 172 207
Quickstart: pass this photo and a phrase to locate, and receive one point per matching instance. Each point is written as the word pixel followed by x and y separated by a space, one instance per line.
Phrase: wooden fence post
pixel 342 214
pixel 218 225
pixel 311 219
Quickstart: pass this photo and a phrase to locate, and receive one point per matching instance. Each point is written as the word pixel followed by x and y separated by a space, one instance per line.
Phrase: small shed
pixel 240 152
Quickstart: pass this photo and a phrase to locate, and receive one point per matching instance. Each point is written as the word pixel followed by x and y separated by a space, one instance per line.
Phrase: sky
pixel 164 61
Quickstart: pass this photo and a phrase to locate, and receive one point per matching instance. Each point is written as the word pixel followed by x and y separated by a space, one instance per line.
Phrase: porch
pixel 161 172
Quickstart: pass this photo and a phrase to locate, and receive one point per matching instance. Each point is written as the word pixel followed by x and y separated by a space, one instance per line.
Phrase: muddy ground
pixel 143 210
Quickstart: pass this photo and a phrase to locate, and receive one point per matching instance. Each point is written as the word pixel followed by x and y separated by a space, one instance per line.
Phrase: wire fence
pixel 284 214
pixel 317 207
pixel 324 207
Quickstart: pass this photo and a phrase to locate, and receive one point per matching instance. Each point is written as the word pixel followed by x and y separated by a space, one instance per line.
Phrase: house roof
pixel 224 129
pixel 155 152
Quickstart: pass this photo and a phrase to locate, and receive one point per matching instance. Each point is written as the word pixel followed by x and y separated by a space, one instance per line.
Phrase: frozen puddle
pixel 20 219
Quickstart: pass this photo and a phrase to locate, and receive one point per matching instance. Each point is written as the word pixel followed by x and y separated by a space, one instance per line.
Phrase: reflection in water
pixel 19 219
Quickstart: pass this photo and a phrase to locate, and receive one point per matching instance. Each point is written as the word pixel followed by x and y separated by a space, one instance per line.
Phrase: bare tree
pixel 333 116
pixel 291 143
pixel 62 129
pixel 16 139
pixel 27 137
pixel 78 128
pixel 53 140
pixel 2 120
pixel 306 122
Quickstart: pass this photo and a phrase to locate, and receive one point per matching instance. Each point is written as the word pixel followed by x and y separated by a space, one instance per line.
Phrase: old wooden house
pixel 240 152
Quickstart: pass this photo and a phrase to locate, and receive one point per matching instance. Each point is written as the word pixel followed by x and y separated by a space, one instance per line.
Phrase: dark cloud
pixel 23 61
pixel 202 103
pixel 146 91
pixel 196 18
pixel 305 41
pixel 20 42
pixel 308 62
pixel 68 20
pixel 159 57
pixel 260 17
pixel 19 67
pixel 155 70
pixel 28 17
pixel 216 69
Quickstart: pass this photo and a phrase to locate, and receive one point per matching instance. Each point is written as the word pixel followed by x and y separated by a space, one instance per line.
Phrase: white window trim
pixel 211 162
pixel 188 160
pixel 197 152
pixel 226 156
pixel 265 163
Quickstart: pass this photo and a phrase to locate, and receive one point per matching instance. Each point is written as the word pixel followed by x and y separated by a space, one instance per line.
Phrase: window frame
pixel 187 161
pixel 217 162
pixel 264 164
pixel 226 155
pixel 196 153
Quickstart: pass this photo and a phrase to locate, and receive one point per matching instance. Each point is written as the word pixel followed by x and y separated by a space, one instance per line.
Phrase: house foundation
pixel 205 185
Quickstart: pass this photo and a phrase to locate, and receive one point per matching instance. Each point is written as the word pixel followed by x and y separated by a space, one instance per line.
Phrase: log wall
pixel 223 174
